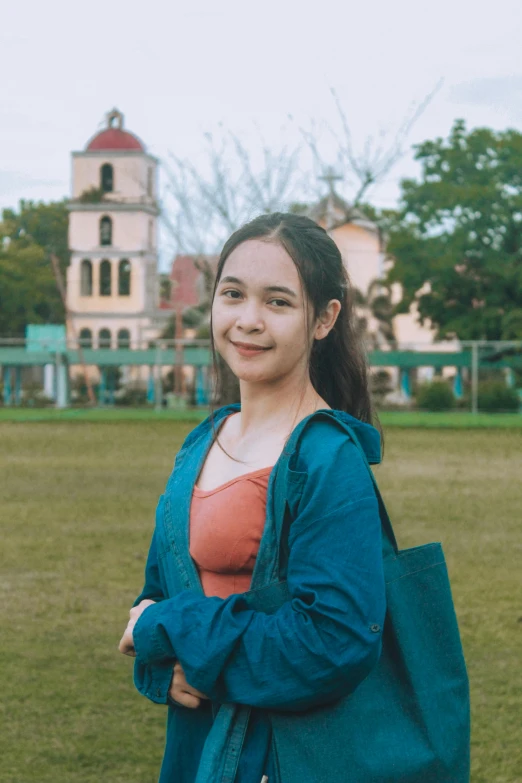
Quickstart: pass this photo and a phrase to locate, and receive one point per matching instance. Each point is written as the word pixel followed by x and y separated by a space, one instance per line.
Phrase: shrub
pixel 381 385
pixel 495 396
pixel 435 396
pixel 132 397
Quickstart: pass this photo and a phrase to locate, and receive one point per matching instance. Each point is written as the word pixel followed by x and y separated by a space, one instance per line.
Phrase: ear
pixel 326 321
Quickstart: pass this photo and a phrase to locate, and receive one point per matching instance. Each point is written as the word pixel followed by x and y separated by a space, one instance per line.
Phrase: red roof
pixel 115 139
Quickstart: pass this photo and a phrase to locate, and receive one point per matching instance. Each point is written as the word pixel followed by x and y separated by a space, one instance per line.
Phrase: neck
pixel 277 406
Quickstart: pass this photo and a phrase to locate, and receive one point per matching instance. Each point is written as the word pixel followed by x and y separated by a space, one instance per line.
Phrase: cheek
pixel 221 321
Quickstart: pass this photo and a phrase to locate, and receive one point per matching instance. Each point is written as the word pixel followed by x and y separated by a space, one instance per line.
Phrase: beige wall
pixel 364 260
pixel 131 230
pixel 131 178
pixel 134 325
pixel 361 253
pixel 95 303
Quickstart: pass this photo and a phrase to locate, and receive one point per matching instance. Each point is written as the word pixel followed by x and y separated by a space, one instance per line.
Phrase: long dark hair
pixel 338 368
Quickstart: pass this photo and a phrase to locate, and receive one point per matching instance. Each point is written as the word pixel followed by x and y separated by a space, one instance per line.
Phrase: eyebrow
pixel 269 288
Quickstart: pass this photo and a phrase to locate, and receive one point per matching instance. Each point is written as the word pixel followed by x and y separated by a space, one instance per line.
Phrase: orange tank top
pixel 226 525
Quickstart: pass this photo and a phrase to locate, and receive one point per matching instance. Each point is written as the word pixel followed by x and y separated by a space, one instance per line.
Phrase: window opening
pixel 124 277
pixel 105 278
pixel 86 278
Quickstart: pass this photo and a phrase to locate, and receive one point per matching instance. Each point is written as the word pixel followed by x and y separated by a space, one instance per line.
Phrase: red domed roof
pixel 114 137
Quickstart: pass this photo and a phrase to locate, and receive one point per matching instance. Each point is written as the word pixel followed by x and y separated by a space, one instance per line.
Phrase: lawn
pixel 409 419
pixel 78 501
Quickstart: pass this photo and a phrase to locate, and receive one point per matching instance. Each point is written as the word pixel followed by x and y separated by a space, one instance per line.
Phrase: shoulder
pixel 328 434
pixel 332 461
pixel 329 472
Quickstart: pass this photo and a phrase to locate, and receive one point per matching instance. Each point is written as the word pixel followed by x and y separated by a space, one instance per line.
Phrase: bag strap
pixel 389 542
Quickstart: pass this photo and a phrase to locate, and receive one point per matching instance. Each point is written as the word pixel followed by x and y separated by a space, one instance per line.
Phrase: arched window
pixel 105 278
pixel 151 234
pixel 149 182
pixel 105 230
pixel 86 278
pixel 124 277
pixel 104 338
pixel 107 178
pixel 123 338
pixel 86 338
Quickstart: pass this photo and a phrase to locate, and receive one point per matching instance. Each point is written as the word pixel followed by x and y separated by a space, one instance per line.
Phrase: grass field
pixel 78 501
pixel 409 419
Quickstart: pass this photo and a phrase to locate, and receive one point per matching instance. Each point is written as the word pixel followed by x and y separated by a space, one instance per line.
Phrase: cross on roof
pixel 330 177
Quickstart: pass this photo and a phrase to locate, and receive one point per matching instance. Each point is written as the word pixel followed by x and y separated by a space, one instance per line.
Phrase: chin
pixel 252 374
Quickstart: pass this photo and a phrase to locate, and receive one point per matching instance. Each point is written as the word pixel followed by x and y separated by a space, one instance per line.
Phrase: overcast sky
pixel 177 69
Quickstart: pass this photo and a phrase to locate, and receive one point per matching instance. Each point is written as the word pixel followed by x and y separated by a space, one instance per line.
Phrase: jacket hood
pixel 368 436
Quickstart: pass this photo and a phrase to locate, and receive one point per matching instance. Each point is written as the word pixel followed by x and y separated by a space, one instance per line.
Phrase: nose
pixel 249 317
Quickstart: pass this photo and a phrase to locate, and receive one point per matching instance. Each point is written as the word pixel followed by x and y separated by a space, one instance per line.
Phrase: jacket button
pixel 158 691
pixel 375 628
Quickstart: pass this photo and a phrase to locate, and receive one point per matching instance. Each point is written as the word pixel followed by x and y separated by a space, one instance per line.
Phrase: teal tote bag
pixel 409 720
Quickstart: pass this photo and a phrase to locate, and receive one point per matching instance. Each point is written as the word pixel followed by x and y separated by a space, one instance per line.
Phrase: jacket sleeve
pixel 153 679
pixel 324 641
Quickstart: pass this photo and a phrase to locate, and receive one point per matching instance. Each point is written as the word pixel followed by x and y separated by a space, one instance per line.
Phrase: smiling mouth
pixel 251 346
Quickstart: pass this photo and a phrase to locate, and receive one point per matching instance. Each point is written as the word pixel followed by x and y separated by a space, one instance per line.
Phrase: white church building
pixel 112 279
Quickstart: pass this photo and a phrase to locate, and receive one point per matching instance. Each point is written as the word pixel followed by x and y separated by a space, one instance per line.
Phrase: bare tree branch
pixel 204 204
pixel 375 161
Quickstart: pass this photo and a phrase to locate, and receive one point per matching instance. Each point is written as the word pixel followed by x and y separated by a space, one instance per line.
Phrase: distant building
pixel 186 282
pixel 362 247
pixel 356 236
pixel 363 250
pixel 112 280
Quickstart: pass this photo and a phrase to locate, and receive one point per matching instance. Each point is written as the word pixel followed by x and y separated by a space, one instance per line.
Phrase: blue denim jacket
pixel 305 635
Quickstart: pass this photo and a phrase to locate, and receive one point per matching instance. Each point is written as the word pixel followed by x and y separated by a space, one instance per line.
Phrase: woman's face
pixel 258 314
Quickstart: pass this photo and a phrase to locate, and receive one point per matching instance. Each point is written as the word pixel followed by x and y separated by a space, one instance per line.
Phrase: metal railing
pixel 468 358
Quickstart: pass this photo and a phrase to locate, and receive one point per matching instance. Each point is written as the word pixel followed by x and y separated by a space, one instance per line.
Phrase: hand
pixel 126 645
pixel 182 692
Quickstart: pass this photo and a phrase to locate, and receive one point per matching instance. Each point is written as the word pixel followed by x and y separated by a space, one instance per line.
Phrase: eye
pixel 231 293
pixel 279 302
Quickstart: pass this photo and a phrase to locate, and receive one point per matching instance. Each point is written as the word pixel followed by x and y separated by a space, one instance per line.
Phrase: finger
pixel 186 699
pixel 189 689
pixel 179 681
pixel 126 645
pixel 126 648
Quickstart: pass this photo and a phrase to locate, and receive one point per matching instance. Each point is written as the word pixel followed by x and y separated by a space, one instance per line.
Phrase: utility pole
pixel 179 383
pixel 474 376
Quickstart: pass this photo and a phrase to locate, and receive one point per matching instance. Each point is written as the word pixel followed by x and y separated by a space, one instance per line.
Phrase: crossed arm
pixel 316 647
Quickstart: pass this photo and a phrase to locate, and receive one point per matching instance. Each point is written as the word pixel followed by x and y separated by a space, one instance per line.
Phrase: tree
pixel 45 224
pixel 374 312
pixel 28 292
pixel 205 203
pixel 457 243
pixel 365 168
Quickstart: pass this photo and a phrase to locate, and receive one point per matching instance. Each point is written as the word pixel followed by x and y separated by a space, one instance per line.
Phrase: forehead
pixel 256 262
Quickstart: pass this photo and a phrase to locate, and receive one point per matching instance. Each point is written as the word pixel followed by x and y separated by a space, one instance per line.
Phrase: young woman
pixel 211 638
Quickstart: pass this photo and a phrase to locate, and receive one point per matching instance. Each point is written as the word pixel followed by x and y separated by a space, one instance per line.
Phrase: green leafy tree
pixel 28 292
pixel 457 244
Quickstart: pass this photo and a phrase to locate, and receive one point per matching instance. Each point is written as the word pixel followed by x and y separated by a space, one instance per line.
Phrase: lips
pixel 249 349
pixel 250 346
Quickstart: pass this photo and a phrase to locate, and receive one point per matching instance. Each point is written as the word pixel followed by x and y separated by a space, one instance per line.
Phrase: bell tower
pixel 112 278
